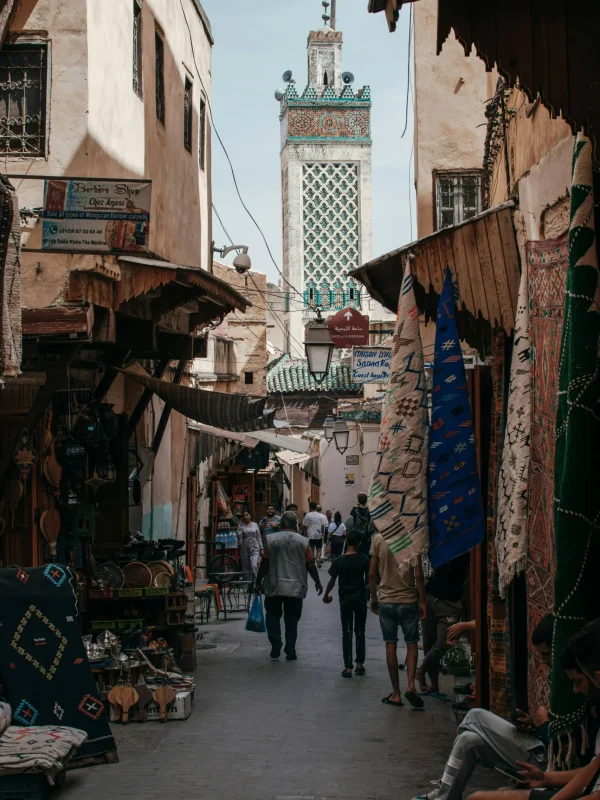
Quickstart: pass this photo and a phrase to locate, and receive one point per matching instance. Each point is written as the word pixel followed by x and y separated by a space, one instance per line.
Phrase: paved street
pixel 272 730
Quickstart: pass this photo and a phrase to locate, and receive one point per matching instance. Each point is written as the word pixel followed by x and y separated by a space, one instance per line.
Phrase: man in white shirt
pixel 314 526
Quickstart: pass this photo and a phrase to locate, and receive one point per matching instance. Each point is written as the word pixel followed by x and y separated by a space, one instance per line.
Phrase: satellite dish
pixel 287 76
pixel 347 77
pixel 279 95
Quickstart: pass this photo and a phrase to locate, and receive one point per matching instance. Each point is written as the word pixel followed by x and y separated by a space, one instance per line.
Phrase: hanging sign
pixel 349 327
pixel 96 216
pixel 371 364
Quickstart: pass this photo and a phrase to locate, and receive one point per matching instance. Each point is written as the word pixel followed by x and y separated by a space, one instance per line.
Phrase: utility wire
pixel 408 69
pixel 235 183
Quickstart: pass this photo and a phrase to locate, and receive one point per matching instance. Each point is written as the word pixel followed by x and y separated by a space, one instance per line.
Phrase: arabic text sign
pixel 96 216
pixel 371 364
pixel 349 327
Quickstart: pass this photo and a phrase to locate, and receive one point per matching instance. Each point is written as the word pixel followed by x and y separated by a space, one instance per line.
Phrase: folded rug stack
pixel 45 748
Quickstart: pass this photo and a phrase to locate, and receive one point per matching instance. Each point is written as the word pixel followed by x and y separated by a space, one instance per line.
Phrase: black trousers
pixel 337 547
pixel 291 609
pixel 353 611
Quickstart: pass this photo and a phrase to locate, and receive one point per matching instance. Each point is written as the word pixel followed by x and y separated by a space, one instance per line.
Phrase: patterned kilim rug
pixel 547 271
pixel 44 671
pixel 398 493
pixel 513 481
pixel 456 523
pixel 577 466
pixel 499 643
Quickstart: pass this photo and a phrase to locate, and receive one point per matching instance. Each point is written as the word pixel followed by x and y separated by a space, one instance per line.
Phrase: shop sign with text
pixel 371 364
pixel 96 216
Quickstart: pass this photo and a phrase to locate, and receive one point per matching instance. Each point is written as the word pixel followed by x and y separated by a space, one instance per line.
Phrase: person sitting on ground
pixel 352 569
pixel 399 600
pixel 444 591
pixel 337 532
pixel 287 560
pixel 485 738
pixel 581 660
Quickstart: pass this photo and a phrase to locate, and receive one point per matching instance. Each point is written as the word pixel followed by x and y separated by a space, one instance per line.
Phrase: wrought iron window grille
pixel 23 99
pixel 159 47
pixel 137 48
pixel 187 115
pixel 458 197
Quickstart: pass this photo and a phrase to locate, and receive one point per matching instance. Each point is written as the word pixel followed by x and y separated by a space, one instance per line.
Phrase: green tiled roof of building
pixel 290 376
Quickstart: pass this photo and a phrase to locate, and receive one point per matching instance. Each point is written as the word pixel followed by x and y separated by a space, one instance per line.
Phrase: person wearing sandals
pixel 352 569
pixel 399 601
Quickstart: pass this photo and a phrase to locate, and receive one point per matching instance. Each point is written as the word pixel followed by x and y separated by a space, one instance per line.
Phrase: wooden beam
pixel 110 374
pixel 58 321
pixel 166 412
pixel 105 325
pixel 144 400
pixel 137 335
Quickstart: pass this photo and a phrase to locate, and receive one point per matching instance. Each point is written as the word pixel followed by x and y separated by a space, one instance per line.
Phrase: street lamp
pixel 319 347
pixel 341 435
pixel 328 428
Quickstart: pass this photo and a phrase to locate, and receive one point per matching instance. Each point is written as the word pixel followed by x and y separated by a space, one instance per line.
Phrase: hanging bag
pixel 256 617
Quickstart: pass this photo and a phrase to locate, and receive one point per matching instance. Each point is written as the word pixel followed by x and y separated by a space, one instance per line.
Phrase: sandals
pixel 347 673
pixel 386 701
pixel 414 699
pixel 360 671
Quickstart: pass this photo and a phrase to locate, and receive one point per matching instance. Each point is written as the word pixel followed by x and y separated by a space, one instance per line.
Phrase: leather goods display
pixel 164 697
pixel 145 698
pixel 123 697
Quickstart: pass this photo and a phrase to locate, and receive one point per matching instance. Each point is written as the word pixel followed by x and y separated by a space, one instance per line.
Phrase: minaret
pixel 326 185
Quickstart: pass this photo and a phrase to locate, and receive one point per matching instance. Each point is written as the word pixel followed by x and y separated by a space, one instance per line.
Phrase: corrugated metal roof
pixel 291 375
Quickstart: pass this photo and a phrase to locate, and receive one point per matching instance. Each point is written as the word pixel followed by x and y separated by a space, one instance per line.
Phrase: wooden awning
pixel 550 48
pixel 483 256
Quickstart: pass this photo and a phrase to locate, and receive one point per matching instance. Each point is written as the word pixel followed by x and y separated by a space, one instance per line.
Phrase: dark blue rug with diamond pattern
pixel 44 671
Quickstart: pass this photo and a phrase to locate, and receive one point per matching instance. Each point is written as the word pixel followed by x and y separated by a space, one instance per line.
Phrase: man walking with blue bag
pixel 283 575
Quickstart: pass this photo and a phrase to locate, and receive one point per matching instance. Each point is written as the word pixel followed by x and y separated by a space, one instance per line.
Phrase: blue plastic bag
pixel 256 617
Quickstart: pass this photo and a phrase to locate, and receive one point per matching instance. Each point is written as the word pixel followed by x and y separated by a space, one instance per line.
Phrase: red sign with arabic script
pixel 349 327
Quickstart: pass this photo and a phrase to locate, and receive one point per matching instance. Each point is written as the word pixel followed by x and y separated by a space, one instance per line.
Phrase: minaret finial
pixel 326 18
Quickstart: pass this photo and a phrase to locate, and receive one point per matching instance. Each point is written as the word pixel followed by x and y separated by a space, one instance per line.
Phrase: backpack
pixel 362 521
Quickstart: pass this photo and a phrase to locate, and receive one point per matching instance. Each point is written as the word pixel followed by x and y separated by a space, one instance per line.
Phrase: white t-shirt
pixel 337 530
pixel 314 524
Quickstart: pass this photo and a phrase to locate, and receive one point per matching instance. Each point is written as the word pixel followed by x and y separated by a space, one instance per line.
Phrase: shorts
pixel 405 615
pixel 318 543
pixel 542 794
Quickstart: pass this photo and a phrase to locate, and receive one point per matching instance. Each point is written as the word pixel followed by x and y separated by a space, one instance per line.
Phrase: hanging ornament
pixel 25 455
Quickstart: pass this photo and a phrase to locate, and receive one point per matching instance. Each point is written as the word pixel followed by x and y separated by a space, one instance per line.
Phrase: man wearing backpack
pixel 362 523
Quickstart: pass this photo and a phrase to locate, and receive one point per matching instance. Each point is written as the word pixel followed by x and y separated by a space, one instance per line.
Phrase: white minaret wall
pixel 328 124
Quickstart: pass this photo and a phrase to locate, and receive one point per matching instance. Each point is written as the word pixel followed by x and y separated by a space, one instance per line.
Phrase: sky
pixel 255 42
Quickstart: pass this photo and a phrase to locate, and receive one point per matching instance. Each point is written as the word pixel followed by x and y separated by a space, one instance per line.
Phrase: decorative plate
pixel 162 580
pixel 136 576
pixel 110 575
pixel 156 567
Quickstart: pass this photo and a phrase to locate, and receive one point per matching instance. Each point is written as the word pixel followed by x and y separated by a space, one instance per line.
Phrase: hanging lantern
pixel 319 348
pixel 328 428
pixel 341 435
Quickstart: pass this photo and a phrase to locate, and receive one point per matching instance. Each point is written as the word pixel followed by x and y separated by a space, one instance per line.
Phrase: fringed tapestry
pixel 10 282
pixel 513 481
pixel 499 643
pixel 398 493
pixel 44 671
pixel 547 272
pixel 456 522
pixel 577 465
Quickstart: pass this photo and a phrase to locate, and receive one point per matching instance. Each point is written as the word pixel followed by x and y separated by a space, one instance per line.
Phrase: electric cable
pixel 408 69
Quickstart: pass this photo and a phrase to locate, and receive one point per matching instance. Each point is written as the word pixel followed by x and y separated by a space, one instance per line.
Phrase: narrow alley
pixel 274 730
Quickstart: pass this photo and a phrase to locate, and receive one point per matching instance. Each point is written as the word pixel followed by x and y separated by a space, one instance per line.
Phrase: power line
pixel 408 69
pixel 233 175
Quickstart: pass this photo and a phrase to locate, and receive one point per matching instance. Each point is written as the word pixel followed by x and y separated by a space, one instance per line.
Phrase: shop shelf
pixel 154 592
pixel 103 624
pixel 131 592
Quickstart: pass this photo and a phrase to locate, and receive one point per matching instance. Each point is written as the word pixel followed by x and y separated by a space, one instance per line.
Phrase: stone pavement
pixel 263 730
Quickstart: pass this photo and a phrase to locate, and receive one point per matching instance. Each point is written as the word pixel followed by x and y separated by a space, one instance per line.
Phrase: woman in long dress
pixel 250 542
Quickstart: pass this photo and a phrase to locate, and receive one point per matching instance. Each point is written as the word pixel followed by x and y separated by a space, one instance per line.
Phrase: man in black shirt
pixel 352 570
pixel 361 517
pixel 444 591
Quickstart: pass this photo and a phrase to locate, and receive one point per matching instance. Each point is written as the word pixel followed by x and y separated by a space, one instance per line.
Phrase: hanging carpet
pixel 499 641
pixel 398 493
pixel 513 481
pixel 547 272
pixel 10 282
pixel 456 523
pixel 577 465
pixel 44 671
pixel 232 412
